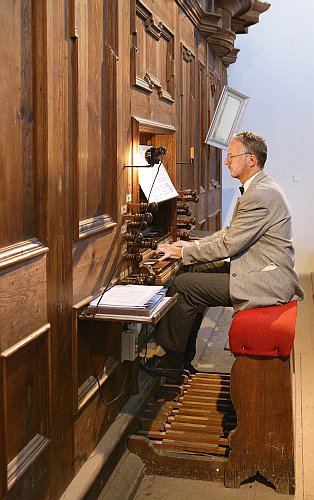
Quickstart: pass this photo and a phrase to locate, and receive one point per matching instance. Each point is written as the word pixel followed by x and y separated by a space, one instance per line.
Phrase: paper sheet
pixel 127 296
pixel 162 189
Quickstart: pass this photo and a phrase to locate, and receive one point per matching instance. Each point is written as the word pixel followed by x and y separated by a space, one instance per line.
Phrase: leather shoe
pixel 163 366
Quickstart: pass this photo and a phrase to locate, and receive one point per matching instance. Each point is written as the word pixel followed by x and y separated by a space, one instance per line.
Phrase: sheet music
pixel 156 314
pixel 127 296
pixel 163 189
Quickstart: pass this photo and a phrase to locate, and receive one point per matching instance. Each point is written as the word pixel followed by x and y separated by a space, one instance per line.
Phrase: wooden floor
pixel 213 355
pixel 304 395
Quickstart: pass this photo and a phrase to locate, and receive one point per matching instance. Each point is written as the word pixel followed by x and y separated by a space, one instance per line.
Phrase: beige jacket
pixel 258 242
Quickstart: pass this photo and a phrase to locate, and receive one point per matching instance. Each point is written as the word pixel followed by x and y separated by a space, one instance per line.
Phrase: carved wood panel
pixel 152 54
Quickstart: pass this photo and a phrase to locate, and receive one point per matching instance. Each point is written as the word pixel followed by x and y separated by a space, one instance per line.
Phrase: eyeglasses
pixel 230 157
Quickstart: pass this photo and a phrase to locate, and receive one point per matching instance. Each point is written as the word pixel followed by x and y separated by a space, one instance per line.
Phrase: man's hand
pixel 173 250
pixel 182 243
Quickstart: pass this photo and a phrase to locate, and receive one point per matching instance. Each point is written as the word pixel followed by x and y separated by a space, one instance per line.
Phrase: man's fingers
pixel 164 257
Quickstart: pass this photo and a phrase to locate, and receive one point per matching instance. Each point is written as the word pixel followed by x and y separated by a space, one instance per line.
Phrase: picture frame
pixel 227 118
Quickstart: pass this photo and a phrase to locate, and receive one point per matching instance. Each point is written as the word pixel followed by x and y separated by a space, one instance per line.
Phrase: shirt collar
pixel 248 182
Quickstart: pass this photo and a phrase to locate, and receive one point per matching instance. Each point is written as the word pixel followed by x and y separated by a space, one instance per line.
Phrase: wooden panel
pixel 67 102
pixel 95 262
pixel 152 54
pixel 213 221
pixel 17 113
pixel 92 182
pixel 261 395
pixel 91 424
pixel 23 303
pixel 214 202
pixel 25 389
pixel 202 149
pixel 99 348
pixel 59 218
pixel 185 177
pixel 214 166
pixel 104 383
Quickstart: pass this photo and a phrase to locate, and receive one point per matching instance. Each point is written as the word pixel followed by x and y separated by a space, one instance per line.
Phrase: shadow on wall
pixel 229 197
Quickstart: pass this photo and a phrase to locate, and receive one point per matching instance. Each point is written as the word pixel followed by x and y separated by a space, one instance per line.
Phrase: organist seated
pixel 248 264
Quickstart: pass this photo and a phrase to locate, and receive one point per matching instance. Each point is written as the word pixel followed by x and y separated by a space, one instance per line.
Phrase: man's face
pixel 239 161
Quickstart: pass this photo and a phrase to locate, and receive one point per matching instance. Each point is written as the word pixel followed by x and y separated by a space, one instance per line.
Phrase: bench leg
pixel 263 439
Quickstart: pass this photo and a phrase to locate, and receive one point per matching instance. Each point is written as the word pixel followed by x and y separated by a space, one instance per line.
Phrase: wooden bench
pixel 261 340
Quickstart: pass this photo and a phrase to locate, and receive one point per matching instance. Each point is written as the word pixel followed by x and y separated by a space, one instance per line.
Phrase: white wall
pixel 275 69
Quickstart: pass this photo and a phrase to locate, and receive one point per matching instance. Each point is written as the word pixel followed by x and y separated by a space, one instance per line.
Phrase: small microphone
pixel 154 155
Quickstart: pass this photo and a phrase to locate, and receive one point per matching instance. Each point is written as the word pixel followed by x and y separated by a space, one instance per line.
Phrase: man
pixel 248 264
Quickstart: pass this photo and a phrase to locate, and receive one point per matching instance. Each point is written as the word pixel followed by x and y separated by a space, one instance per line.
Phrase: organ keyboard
pixel 153 271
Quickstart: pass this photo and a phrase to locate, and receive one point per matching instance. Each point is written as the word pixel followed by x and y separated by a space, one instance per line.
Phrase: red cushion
pixel 264 331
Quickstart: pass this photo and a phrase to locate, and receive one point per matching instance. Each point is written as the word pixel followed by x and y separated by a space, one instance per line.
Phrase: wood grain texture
pixel 263 439
pixel 72 120
pixel 23 305
pixel 17 112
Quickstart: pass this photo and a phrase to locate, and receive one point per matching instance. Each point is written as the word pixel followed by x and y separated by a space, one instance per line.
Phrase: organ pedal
pixel 185 429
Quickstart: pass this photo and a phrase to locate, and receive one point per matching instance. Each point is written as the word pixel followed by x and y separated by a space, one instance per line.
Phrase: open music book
pixel 138 300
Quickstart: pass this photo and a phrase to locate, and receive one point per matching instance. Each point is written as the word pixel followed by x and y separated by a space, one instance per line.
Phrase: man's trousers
pixel 208 286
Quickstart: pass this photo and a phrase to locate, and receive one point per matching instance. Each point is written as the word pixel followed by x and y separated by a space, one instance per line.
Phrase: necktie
pixel 241 189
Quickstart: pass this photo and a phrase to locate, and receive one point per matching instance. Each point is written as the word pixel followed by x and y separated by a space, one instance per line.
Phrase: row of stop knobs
pixel 187 196
pixel 135 224
pixel 138 222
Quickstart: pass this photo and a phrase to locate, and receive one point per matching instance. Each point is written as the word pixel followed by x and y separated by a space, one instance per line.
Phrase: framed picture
pixel 227 118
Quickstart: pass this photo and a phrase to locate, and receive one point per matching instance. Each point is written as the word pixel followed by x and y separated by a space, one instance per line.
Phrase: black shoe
pixel 163 366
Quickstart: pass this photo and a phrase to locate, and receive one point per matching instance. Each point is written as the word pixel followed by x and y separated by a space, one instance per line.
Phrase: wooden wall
pixel 81 83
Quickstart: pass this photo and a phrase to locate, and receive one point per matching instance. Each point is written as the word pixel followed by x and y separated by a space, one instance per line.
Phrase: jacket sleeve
pixel 251 222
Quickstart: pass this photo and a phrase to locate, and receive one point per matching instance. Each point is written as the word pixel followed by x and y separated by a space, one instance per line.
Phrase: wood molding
pixel 94 225
pixel 24 250
pixel 73 29
pixel 206 22
pixel 222 41
pixel 220 31
pixel 19 464
pixel 187 54
pixel 3 428
pixel 27 340
pixel 242 21
pixel 214 214
pixel 152 126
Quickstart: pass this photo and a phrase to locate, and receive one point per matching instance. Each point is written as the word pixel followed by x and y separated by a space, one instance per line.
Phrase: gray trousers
pixel 206 285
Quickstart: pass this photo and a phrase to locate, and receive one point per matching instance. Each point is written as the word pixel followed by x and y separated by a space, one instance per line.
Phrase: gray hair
pixel 254 144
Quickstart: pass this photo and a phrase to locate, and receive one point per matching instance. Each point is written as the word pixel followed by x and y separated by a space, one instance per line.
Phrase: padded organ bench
pixel 261 340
